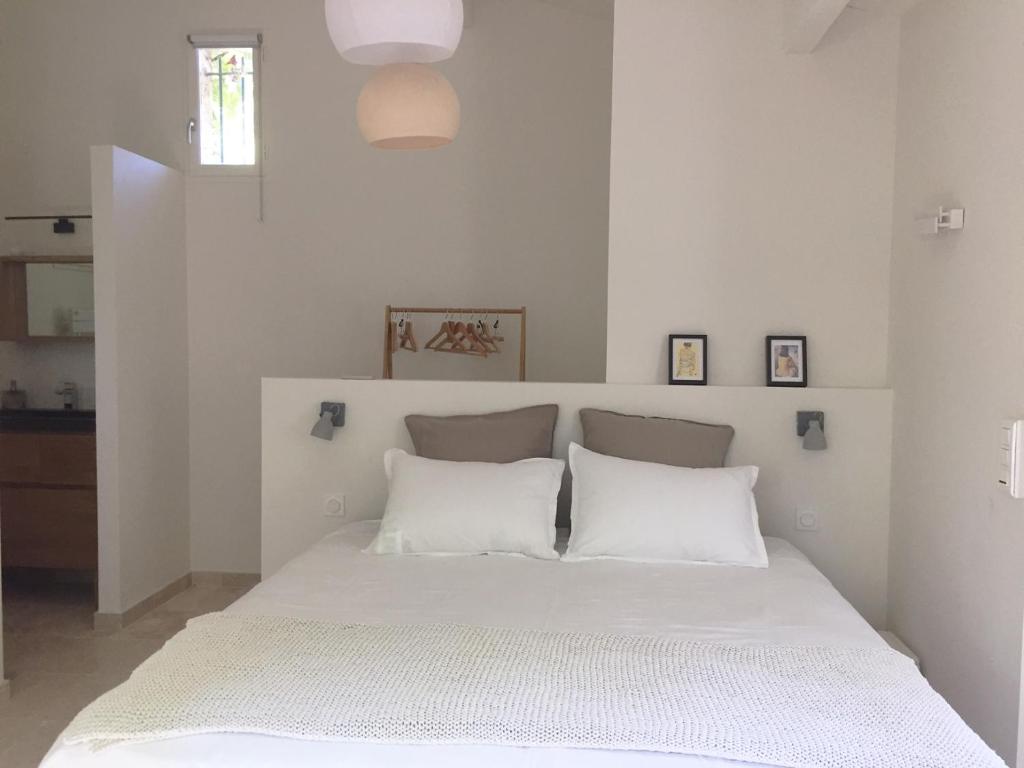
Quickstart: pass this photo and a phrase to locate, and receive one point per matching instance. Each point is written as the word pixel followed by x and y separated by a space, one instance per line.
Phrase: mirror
pixel 60 300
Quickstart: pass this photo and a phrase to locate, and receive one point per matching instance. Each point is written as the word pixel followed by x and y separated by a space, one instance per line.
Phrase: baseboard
pixel 226 580
pixel 897 644
pixel 111 622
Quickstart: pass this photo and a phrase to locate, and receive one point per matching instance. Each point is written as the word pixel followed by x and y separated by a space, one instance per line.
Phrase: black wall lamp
pixel 332 415
pixel 810 425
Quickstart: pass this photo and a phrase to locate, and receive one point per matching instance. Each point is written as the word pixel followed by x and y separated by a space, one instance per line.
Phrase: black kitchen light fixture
pixel 63 224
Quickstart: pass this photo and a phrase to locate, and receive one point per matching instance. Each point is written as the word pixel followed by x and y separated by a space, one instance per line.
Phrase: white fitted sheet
pixel 789 603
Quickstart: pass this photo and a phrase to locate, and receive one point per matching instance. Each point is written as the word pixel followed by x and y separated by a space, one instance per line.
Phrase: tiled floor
pixel 57 664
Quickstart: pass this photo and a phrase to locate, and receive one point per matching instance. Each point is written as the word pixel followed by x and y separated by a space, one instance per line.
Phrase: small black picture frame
pixel 786 361
pixel 688 359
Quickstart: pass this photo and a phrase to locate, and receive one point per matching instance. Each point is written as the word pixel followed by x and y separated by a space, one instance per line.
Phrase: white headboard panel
pixel 848 485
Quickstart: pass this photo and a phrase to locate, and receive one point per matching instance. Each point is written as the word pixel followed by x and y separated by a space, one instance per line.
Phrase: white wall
pixel 751 190
pixel 142 376
pixel 41 367
pixel 515 212
pixel 848 485
pixel 957 570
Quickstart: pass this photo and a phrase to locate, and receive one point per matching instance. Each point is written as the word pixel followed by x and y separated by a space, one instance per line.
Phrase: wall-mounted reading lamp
pixel 332 415
pixel 810 425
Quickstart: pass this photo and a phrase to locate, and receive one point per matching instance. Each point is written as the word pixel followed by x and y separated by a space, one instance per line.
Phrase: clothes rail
pixel 389 339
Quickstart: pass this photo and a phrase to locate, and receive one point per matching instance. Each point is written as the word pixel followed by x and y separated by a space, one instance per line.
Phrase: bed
pixel 790 602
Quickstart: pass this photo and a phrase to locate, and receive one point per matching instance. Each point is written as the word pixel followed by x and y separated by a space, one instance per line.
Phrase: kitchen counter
pixel 48 421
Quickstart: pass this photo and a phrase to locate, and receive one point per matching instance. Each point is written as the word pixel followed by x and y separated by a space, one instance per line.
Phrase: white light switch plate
pixel 334 506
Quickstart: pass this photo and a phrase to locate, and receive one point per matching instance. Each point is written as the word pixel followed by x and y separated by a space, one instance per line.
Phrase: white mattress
pixel 788 603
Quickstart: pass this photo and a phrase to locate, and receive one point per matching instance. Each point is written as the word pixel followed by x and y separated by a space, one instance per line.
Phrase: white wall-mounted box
pixel 1011 453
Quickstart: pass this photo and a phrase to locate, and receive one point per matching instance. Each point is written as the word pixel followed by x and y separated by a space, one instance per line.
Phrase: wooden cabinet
pixel 47 458
pixel 13 301
pixel 48 500
pixel 48 528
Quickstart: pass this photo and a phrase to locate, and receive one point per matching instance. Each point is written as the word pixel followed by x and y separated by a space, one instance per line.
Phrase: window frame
pixel 197 42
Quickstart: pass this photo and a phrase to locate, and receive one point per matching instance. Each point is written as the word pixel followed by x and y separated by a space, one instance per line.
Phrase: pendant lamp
pixel 408 106
pixel 378 32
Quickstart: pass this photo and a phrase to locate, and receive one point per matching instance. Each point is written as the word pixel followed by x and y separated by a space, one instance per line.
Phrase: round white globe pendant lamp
pixel 379 32
pixel 408 106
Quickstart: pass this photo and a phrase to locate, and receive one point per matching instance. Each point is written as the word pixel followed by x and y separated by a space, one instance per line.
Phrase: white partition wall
pixel 751 190
pixel 847 485
pixel 141 376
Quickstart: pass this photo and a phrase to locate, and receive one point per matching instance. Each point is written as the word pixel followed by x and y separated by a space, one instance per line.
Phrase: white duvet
pixel 789 603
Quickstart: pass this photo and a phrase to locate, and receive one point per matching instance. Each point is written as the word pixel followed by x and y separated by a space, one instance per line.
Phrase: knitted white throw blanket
pixel 444 684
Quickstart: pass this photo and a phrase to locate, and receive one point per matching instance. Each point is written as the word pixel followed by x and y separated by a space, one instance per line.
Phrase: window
pixel 224 131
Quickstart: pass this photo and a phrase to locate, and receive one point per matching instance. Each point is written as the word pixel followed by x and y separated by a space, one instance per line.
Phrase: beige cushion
pixel 675 442
pixel 498 438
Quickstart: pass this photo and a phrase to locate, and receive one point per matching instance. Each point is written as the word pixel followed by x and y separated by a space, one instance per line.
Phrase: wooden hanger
pixel 461 336
pixel 451 341
pixel 408 338
pixel 436 339
pixel 475 342
pixel 495 335
pixel 489 341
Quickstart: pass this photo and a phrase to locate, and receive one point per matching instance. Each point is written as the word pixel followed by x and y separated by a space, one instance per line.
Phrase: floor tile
pixel 57 664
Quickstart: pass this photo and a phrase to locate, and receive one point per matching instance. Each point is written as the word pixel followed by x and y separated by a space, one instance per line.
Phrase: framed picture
pixel 786 358
pixel 688 360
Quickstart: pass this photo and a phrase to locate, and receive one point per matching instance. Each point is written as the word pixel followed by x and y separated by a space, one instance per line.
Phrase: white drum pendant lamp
pixel 378 32
pixel 408 106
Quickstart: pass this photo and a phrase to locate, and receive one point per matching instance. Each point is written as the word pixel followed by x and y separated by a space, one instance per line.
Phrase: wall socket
pixel 806 520
pixel 334 506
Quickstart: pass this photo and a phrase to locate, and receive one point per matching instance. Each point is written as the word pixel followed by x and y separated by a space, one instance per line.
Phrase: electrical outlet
pixel 334 506
pixel 806 520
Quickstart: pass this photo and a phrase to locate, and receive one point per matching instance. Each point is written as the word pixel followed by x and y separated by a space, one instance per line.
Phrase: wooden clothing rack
pixel 390 311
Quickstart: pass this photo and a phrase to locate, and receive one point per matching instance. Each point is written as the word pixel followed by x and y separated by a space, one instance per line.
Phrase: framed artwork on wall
pixel 688 360
pixel 786 361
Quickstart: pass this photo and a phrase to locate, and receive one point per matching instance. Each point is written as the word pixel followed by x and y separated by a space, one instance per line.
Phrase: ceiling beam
pixel 810 21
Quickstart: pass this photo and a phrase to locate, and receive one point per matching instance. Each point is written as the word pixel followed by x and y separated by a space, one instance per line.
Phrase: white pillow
pixel 635 510
pixel 469 508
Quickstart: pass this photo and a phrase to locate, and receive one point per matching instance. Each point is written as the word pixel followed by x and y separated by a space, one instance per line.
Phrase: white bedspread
pixel 790 603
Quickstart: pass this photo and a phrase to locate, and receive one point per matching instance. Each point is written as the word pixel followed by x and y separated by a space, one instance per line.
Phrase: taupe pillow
pixel 498 438
pixel 675 442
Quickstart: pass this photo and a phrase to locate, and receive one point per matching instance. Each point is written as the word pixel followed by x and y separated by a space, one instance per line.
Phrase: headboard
pixel 847 485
